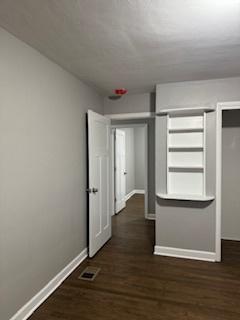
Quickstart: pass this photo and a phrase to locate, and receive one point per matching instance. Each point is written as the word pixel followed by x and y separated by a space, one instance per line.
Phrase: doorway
pixel 230 181
pixel 101 184
pixel 227 177
pixel 130 165
pixel 231 175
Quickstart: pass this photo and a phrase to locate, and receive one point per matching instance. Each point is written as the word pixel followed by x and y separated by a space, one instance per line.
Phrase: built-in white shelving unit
pixel 186 154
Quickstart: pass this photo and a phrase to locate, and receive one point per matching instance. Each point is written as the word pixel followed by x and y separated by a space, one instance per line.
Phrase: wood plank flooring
pixel 135 284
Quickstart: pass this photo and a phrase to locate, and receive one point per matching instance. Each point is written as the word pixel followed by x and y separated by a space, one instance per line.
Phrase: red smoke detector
pixel 118 93
pixel 121 91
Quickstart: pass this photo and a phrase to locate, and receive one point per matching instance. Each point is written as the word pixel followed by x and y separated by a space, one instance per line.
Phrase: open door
pixel 120 170
pixel 99 181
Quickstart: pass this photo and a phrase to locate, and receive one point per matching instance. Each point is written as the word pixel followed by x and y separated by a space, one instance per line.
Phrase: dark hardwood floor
pixel 135 284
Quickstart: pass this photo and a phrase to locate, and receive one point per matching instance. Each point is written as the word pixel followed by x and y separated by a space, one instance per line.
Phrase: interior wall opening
pixel 230 193
pixel 142 131
pixel 130 178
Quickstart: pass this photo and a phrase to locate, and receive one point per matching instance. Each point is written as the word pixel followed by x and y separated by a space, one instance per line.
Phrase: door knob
pixel 125 173
pixel 89 190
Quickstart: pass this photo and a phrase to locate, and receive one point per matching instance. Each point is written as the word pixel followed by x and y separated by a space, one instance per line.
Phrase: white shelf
pixel 185 148
pixel 187 111
pixel 188 197
pixel 184 130
pixel 185 167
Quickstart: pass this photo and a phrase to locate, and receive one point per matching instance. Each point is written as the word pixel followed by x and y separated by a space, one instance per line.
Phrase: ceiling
pixel 131 43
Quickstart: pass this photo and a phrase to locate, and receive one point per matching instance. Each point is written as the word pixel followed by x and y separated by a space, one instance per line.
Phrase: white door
pixel 120 171
pixel 99 181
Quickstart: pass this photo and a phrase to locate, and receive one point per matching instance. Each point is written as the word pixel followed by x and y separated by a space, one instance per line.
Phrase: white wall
pixel 43 219
pixel 231 175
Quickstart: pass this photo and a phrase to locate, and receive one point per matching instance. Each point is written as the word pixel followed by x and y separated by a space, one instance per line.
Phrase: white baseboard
pixel 140 191
pixel 231 239
pixel 151 216
pixel 185 253
pixel 129 195
pixel 26 311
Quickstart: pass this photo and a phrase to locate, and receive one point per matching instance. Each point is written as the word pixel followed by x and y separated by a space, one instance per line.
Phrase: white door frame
pixel 130 115
pixel 235 105
pixel 145 126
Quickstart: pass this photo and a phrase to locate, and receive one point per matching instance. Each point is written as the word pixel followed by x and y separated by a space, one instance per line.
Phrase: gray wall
pixel 130 103
pixel 42 170
pixel 130 159
pixel 183 224
pixel 231 175
pixel 139 149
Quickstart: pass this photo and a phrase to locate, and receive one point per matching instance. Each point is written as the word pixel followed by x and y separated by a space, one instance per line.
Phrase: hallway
pixel 134 284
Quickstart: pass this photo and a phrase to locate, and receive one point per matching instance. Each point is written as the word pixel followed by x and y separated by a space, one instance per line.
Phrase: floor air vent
pixel 89 273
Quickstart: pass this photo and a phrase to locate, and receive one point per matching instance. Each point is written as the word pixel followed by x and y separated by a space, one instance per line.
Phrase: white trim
pixel 218 181
pixel 167 158
pixel 188 111
pixel 129 195
pixel 130 115
pixel 140 191
pixel 126 126
pixel 112 171
pixel 230 239
pixel 26 311
pixel 185 253
pixel 235 105
pixel 151 216
pixel 145 191
pixel 204 153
